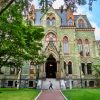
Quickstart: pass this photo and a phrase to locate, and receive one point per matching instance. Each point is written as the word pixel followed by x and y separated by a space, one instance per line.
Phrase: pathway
pixel 51 95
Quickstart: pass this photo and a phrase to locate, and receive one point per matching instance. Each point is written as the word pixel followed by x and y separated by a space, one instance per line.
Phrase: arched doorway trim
pixel 51 67
pixel 54 55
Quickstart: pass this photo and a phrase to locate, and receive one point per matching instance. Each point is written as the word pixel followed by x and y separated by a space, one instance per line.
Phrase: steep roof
pixel 85 18
pixel 62 15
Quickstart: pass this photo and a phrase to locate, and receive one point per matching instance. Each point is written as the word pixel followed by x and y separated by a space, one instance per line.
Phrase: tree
pixel 96 69
pixel 18 41
pixel 67 3
pixel 5 4
pixel 44 4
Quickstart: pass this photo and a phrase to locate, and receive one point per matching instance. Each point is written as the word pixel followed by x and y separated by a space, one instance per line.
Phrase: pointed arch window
pixel 87 49
pixel 81 23
pixel 83 68
pixel 89 68
pixel 65 45
pixel 50 37
pixel 80 47
pixel 65 65
pixel 53 21
pixel 70 22
pixel 69 67
pixel 48 21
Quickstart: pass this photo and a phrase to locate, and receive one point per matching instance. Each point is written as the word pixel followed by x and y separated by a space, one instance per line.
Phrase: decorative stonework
pixel 55 47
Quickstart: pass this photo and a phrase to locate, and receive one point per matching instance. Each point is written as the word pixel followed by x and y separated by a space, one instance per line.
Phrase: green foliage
pixel 18 41
pixel 44 4
pixel 72 4
pixel 96 68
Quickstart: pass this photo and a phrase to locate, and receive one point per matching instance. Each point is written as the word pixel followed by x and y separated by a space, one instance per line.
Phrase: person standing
pixel 50 87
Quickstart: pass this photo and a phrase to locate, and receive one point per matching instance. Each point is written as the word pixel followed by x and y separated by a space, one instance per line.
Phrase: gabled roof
pixel 62 15
pixel 52 10
pixel 39 14
pixel 85 18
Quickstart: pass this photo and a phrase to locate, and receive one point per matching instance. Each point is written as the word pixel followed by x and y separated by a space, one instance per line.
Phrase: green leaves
pixel 96 68
pixel 18 41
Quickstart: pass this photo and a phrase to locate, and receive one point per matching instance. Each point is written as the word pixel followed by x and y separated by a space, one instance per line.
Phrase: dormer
pixel 70 18
pixel 81 22
pixel 51 18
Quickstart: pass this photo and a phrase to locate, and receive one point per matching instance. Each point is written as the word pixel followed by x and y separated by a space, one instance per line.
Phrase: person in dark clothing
pixel 50 87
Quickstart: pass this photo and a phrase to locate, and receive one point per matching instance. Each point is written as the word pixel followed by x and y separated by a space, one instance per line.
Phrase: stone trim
pixel 68 27
pixel 85 29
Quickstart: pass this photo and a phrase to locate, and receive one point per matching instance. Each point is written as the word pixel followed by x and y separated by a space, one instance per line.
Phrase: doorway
pixel 51 67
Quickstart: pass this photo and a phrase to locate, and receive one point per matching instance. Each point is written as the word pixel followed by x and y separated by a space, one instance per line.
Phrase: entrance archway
pixel 51 67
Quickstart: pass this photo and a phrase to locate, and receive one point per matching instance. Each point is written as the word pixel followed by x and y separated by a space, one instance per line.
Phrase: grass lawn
pixel 14 94
pixel 82 94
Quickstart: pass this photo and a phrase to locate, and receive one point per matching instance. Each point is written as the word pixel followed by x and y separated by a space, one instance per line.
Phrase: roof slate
pixel 62 15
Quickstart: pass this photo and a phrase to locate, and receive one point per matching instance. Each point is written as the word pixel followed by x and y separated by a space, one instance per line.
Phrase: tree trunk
pixel 19 79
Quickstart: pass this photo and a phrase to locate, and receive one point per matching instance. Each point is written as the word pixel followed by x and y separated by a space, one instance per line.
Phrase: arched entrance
pixel 51 67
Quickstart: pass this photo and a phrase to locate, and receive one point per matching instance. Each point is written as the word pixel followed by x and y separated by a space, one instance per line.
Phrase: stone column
pixel 0 84
pixel 66 68
pixel 44 67
pixel 44 71
pixel 58 70
pixel 84 53
pixel 41 70
pixel 62 67
pixel 70 84
pixel 86 69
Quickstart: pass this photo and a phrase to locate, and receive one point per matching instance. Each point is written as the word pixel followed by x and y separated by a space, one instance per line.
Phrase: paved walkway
pixel 51 95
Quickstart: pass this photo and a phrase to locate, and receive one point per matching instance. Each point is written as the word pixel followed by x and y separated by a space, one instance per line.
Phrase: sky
pixel 93 16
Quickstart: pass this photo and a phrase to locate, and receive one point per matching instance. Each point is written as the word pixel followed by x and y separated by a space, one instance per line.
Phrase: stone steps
pixel 46 83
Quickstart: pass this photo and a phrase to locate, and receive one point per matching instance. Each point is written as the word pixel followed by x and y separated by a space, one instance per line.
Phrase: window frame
pixel 65 43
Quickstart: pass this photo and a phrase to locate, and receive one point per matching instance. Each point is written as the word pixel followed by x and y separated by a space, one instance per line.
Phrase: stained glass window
pixel 50 37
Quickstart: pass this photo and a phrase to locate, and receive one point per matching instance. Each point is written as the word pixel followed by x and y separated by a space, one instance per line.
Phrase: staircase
pixel 46 83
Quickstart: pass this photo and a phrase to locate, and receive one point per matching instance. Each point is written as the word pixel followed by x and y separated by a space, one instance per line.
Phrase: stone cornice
pixel 68 27
pixel 85 29
pixel 77 29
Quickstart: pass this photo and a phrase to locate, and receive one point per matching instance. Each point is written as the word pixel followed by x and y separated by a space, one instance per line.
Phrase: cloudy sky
pixel 93 16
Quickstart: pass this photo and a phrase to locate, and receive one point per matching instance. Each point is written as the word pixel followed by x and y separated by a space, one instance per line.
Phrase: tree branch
pixel 6 7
